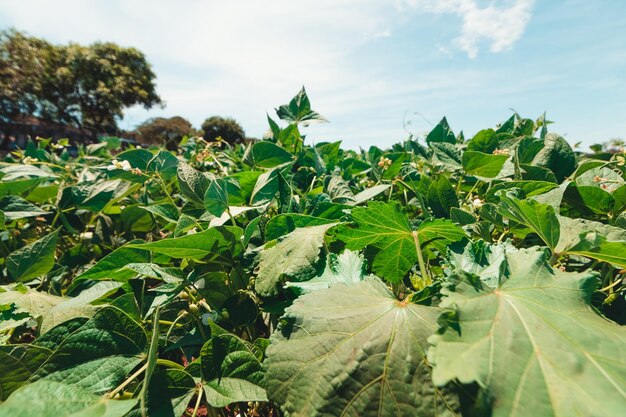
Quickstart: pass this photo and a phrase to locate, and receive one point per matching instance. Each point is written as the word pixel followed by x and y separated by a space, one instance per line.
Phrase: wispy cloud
pixel 500 25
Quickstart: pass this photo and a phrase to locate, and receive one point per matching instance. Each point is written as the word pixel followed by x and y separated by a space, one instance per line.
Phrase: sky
pixel 376 69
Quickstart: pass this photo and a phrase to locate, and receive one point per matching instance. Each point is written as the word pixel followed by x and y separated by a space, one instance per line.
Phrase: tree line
pixel 84 89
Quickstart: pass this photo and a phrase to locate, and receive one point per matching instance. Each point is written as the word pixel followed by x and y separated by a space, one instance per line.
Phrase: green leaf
pixel 33 260
pixel 36 303
pixel 18 186
pixel 541 218
pixel 360 354
pixel 282 224
pixel 369 193
pixel 216 198
pixel 163 163
pixel 485 141
pixel 385 228
pixel 54 399
pixel 226 355
pixel 268 155
pixel 294 257
pixel 338 190
pixel 441 197
pixel 232 390
pixel 587 198
pixel 346 268
pixel 572 229
pixel 97 376
pixel 266 187
pixel 441 133
pixel 482 164
pixel 231 371
pixel 534 343
pixel 166 211
pixel 299 110
pixel 17 365
pixel 15 207
pixel 193 184
pixel 557 156
pixel 528 188
pixel 111 266
pixel 483 260
pixel 219 244
pixel 109 332
pixel 447 154
pixel 167 274
pixel 595 246
pixel 78 306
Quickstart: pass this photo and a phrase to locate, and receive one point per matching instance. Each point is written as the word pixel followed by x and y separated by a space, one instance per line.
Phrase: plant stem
pixel 198 401
pixel 128 381
pixel 151 363
pixel 420 256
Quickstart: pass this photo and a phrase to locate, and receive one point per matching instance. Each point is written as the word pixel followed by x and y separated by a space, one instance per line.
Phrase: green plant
pixel 437 277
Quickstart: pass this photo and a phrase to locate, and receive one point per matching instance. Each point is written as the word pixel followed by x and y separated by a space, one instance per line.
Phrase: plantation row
pixel 442 276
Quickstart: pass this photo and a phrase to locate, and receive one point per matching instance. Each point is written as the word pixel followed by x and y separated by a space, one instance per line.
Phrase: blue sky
pixel 367 64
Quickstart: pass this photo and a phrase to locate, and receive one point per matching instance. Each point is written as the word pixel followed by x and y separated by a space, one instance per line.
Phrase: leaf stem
pixel 420 256
pixel 128 381
pixel 198 401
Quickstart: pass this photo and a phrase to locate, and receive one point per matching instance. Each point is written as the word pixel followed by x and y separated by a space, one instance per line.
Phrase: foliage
pixel 441 276
pixel 225 128
pixel 167 132
pixel 84 86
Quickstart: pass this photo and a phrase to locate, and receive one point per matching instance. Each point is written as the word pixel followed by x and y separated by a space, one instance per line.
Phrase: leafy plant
pixel 441 276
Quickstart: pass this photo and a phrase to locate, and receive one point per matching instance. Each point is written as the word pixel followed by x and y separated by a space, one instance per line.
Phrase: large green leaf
pixel 282 224
pixel 15 207
pixel 268 155
pixel 346 268
pixel 541 218
pixel 385 228
pixel 571 229
pixel 217 196
pixel 441 133
pixel 193 183
pixel 299 110
pixel 35 303
pixel 33 260
pixel 111 266
pixel 441 197
pixel 295 257
pixel 485 141
pixel 557 156
pixel 482 164
pixel 78 306
pixel 598 247
pixel 17 365
pixel 354 350
pixel 220 243
pixel 109 332
pixel 54 399
pixel 534 343
pixel 231 371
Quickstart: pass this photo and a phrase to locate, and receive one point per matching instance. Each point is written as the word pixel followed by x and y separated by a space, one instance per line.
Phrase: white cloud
pixel 499 25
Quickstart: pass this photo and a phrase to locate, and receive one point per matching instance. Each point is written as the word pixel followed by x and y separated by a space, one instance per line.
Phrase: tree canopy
pixel 221 127
pixel 165 131
pixel 83 86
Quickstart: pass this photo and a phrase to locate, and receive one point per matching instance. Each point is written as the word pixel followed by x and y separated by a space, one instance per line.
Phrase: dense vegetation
pixel 437 277
pixel 85 87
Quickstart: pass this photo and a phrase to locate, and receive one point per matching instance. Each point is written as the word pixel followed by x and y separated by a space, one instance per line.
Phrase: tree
pixel 164 131
pixel 227 128
pixel 23 60
pixel 83 86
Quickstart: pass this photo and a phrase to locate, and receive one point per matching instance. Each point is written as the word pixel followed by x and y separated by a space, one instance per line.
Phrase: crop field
pixel 443 276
